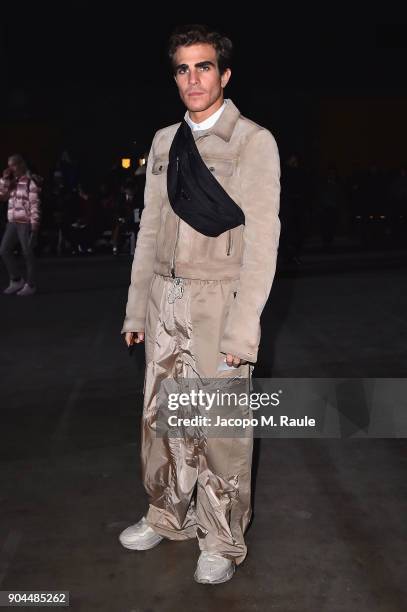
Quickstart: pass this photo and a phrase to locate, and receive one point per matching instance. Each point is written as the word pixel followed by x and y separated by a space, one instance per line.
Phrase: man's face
pixel 198 80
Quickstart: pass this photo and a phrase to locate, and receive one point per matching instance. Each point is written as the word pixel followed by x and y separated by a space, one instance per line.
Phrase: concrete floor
pixel 330 516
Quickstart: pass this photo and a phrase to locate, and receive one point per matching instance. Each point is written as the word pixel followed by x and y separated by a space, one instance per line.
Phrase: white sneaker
pixel 27 290
pixel 140 536
pixel 213 568
pixel 14 286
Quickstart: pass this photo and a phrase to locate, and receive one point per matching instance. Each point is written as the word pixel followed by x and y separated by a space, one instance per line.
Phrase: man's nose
pixel 193 77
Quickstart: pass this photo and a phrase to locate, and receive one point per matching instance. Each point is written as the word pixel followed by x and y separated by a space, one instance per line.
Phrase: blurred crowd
pixel 367 209
pixel 82 215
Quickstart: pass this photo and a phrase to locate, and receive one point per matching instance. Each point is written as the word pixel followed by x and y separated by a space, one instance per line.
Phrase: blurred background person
pixel 21 189
pixel 83 227
pixel 127 218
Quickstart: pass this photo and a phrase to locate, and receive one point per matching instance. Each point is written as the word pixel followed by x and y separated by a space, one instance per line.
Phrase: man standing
pixel 22 191
pixel 202 272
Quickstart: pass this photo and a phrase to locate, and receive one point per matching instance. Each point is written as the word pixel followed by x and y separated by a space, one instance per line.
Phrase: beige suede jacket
pixel 244 158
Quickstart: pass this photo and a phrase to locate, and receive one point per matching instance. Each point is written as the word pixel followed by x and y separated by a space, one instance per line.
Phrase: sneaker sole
pixel 225 578
pixel 139 546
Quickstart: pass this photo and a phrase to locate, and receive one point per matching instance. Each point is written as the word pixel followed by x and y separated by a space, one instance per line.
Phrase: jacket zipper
pixel 173 253
pixel 176 239
pixel 229 242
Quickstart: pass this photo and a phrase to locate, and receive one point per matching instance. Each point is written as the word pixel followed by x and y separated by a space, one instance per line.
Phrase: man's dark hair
pixel 193 34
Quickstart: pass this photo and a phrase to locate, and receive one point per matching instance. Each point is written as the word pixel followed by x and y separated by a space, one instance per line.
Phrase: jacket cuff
pixel 251 357
pixel 133 325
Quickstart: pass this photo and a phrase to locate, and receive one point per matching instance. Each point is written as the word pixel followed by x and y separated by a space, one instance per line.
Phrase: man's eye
pixel 203 68
pixel 181 70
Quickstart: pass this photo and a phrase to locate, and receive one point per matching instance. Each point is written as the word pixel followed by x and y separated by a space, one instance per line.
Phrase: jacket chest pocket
pixel 159 166
pixel 159 170
pixel 220 167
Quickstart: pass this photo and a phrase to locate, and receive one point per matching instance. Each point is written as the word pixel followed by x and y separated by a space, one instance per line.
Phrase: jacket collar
pixel 225 124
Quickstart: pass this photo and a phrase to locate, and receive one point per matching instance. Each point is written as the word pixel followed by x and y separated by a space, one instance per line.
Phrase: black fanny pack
pixel 194 193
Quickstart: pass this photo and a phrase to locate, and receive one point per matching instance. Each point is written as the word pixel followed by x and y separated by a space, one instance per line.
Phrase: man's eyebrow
pixel 204 63
pixel 198 65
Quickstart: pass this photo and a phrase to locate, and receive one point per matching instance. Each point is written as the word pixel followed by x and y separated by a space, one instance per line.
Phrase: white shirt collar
pixel 209 122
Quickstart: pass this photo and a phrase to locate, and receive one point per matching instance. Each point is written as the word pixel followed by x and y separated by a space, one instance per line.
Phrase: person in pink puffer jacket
pixel 21 189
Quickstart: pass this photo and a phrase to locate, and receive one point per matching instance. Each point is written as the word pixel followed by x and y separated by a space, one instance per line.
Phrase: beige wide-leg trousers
pixel 197 486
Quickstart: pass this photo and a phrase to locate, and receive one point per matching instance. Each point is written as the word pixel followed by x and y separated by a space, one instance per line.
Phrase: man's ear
pixel 224 79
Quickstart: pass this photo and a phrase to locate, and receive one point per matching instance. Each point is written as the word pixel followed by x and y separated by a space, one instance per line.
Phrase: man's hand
pixel 234 361
pixel 131 338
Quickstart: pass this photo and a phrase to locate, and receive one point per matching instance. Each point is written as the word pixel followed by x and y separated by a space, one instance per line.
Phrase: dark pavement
pixel 329 531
